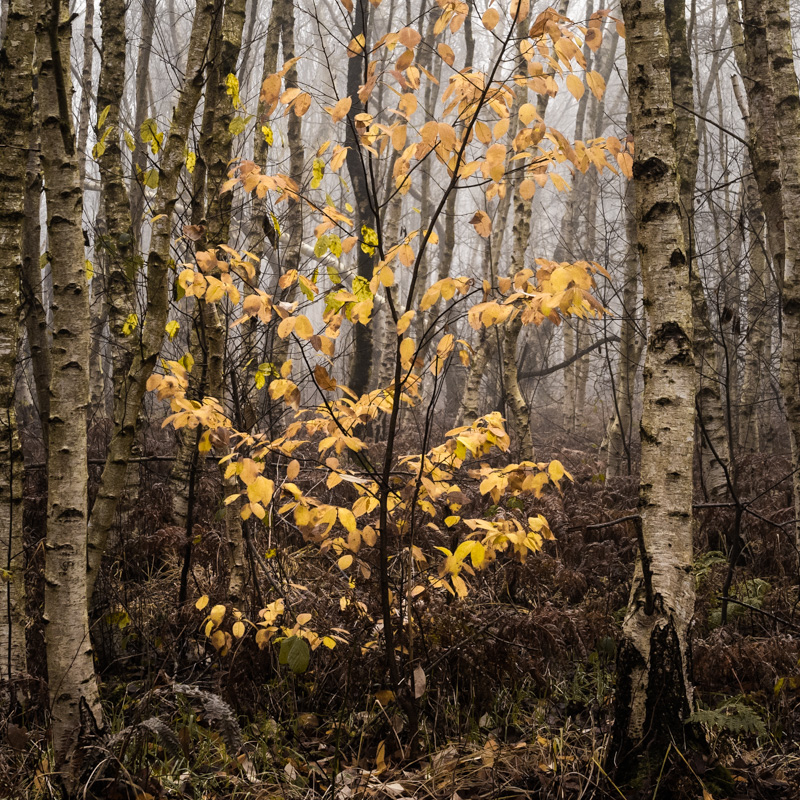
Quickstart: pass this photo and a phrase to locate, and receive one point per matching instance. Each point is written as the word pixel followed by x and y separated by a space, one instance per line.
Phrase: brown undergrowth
pixel 518 677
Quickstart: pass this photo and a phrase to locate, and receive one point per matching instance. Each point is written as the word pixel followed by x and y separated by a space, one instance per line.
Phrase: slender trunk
pixel 158 270
pixel 218 215
pixel 34 314
pixel 787 119
pixel 764 151
pixel 16 126
pixel 654 694
pixel 391 233
pixel 714 447
pixel 758 321
pixel 361 361
pixel 470 408
pixel 70 664
pixel 140 153
pixel 261 228
pixel 86 86
pixel 619 446
pixel 115 250
pixel 521 231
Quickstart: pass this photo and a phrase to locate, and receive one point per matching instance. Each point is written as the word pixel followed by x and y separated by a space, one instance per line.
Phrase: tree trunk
pixel 158 271
pixel 759 328
pixel 787 120
pixel 521 231
pixel 713 440
pixel 619 446
pixel 654 695
pixel 361 360
pixel 764 151
pixel 86 86
pixel 34 316
pixel 16 125
pixel 140 153
pixel 261 227
pixel 70 665
pixel 218 215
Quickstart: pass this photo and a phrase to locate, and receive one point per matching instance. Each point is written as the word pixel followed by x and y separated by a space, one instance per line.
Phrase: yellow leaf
pixel 459 585
pixel 172 328
pixel 302 619
pixel 238 629
pixel 303 327
pixel 339 111
pixel 555 470
pixel 345 561
pixel 217 614
pixel 260 490
pixel 286 327
pixel 596 84
pixel 130 324
pixel 329 642
pixel 404 322
pixel 527 113
pixel 575 86
pixel 293 470
pixel 348 520
pixel 201 603
pixel 407 348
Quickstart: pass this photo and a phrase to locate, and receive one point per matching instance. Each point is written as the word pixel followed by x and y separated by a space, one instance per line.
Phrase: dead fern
pixel 218 713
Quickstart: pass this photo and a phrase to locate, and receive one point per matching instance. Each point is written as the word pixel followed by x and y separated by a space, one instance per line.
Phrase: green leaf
pixel 334 275
pixel 317 172
pixel 148 132
pixel 335 245
pixel 295 653
pixel 150 179
pixel 238 124
pixel 361 288
pixel 321 247
pixel 129 141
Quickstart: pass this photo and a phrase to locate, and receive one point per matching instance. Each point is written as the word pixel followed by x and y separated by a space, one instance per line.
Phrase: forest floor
pixel 519 677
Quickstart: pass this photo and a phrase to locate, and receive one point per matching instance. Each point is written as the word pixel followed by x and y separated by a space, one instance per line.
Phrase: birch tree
pixel 654 693
pixel 16 125
pixel 70 663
